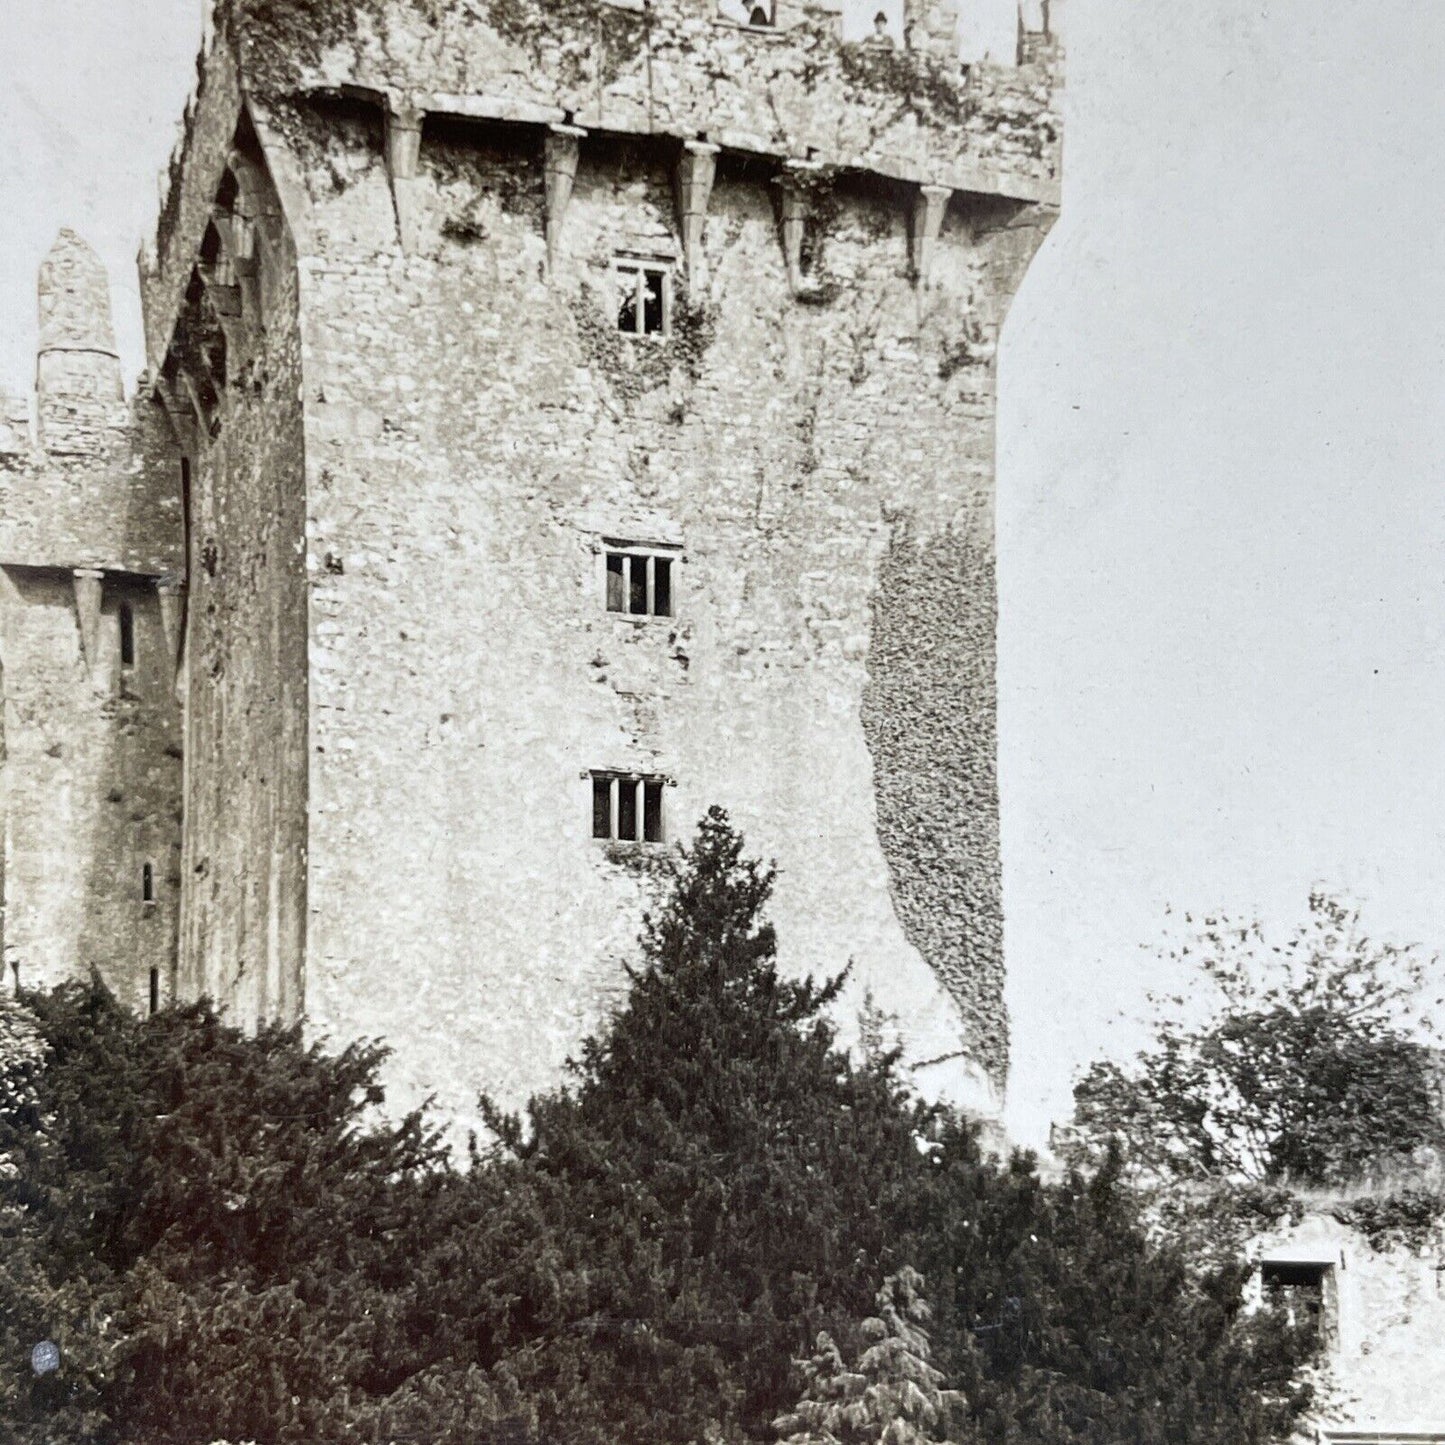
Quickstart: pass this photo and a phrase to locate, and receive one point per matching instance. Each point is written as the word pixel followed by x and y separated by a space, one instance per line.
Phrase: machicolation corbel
pixel 179 410
pixel 255 229
pixel 223 293
pixel 403 162
pixel 171 593
pixel 929 208
pixel 561 153
pixel 696 172
pixel 794 214
pixel 89 584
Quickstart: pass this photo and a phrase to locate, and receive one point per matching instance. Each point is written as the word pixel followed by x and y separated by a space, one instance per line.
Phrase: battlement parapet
pixel 673 70
pixel 681 69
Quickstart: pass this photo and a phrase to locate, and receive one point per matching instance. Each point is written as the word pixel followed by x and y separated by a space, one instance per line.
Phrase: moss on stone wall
pixel 614 38
pixel 928 718
pixel 921 82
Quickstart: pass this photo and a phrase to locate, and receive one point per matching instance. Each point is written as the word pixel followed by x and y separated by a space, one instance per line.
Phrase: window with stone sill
pixel 627 807
pixel 644 297
pixel 638 581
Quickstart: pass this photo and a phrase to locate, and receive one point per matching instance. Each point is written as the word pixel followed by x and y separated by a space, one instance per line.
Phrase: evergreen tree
pixel 725 1175
pixel 893 1396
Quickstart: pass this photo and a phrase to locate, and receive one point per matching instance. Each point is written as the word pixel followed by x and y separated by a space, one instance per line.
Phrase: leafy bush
pixel 1314 1070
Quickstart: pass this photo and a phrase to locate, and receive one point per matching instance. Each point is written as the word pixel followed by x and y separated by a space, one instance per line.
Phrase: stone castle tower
pixel 579 414
pixel 90 784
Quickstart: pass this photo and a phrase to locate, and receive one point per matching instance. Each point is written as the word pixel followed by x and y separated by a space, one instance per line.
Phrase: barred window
pixel 627 807
pixel 639 582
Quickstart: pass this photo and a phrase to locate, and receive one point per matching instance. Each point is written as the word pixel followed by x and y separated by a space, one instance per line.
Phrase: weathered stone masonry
pixel 90 601
pixel 385 314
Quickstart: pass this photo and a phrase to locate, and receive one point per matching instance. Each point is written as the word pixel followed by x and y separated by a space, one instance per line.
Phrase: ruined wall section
pixel 117 508
pixel 91 787
pixel 1385 1313
pixel 467 462
pixel 238 349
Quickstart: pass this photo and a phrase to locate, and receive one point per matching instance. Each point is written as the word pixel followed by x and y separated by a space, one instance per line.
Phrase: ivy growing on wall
pixel 635 366
pixel 613 38
pixel 922 82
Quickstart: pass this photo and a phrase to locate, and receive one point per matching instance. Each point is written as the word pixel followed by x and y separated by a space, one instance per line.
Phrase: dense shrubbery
pixel 227 1239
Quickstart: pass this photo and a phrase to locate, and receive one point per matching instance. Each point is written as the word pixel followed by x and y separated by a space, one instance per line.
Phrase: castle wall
pixel 1388 1305
pixel 244 922
pixel 91 784
pixel 475 432
pixel 115 505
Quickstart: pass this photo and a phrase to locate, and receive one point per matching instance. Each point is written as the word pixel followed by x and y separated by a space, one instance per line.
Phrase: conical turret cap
pixel 74 294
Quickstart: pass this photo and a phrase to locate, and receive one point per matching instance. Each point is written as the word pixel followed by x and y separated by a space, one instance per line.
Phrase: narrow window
pixel 662 587
pixel 148 884
pixel 616 588
pixel 652 282
pixel 627 808
pixel 602 806
pixel 127 635
pixel 652 811
pixel 637 586
pixel 645 304
pixel 155 990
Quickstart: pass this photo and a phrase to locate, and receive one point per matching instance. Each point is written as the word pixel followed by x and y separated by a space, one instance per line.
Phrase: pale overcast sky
pixel 1221 512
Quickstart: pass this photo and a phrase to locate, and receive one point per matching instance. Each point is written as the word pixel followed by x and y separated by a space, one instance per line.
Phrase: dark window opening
pixel 652 303
pixel 127 635
pixel 616 587
pixel 1302 1291
pixel 639 583
pixel 627 809
pixel 646 300
pixel 155 990
pixel 761 15
pixel 148 884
